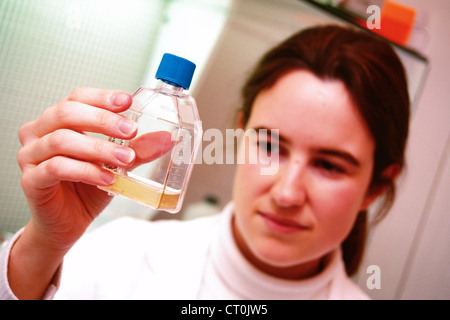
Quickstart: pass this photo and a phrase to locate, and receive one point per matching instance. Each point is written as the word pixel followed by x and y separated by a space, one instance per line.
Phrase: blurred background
pixel 49 47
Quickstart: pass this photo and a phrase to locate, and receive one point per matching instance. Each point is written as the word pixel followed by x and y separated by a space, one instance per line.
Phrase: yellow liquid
pixel 135 190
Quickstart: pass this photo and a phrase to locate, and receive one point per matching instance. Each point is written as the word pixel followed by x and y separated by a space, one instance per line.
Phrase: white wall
pixel 412 245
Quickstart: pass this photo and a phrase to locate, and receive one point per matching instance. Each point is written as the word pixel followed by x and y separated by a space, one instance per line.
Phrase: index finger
pixel 83 109
pixel 113 100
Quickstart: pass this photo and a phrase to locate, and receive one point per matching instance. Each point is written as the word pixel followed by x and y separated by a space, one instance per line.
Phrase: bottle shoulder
pixel 164 103
pixel 167 90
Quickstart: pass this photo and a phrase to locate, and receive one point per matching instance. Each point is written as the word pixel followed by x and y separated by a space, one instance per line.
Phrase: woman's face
pixel 286 222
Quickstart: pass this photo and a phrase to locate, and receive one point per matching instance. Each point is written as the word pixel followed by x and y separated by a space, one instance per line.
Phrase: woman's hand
pixel 61 164
pixel 61 168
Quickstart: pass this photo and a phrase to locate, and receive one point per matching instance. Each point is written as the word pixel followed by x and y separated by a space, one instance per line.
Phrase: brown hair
pixel 376 80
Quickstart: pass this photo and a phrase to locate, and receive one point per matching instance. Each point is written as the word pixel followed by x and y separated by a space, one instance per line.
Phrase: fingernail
pixel 127 126
pixel 108 177
pixel 120 99
pixel 124 155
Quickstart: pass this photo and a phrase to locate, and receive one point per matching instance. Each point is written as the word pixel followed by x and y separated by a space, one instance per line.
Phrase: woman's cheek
pixel 337 208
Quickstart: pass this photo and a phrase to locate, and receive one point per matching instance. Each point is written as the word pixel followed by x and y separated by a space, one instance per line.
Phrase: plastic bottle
pixel 172 116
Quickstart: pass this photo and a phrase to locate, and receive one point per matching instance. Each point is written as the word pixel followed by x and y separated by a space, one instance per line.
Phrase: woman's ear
pixel 388 175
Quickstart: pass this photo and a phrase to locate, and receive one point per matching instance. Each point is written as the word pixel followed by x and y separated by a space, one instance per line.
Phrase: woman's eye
pixel 266 146
pixel 271 148
pixel 329 166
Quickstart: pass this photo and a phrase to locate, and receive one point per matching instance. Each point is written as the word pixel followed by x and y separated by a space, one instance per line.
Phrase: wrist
pixel 32 265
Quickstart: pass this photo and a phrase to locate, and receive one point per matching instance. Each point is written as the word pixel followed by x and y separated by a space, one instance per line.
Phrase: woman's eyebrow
pixel 341 154
pixel 272 133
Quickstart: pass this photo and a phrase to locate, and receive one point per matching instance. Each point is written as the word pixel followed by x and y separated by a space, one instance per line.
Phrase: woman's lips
pixel 280 224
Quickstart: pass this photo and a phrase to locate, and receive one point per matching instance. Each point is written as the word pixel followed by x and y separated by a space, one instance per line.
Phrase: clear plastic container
pixel 166 115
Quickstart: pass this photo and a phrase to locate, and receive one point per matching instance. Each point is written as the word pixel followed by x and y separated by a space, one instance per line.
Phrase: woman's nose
pixel 290 188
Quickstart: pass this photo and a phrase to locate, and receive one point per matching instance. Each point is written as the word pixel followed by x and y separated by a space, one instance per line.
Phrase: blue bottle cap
pixel 175 70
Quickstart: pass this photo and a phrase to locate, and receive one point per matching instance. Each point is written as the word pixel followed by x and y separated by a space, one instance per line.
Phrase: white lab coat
pixel 198 259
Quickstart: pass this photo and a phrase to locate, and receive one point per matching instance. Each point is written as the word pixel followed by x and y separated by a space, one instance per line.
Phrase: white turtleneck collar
pixel 229 275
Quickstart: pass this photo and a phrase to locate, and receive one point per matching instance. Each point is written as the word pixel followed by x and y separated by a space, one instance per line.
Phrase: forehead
pixel 306 108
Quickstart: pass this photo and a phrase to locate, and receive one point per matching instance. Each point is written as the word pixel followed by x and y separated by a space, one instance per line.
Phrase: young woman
pixel 337 100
